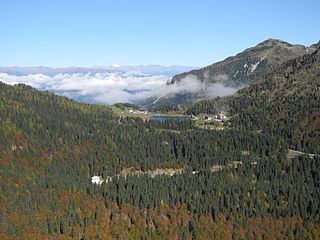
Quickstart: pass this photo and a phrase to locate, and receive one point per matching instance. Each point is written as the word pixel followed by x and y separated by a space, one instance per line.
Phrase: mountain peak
pixel 273 40
pixel 271 43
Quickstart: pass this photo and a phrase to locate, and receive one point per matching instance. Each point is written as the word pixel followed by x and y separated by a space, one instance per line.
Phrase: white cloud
pixel 119 86
pixel 101 87
pixel 191 84
pixel 218 89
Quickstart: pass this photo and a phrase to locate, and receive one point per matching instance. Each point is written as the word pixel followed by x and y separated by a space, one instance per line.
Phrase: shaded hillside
pixel 286 102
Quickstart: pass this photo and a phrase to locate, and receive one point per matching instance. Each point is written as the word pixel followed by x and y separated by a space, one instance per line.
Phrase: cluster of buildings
pixel 219 117
pixel 140 111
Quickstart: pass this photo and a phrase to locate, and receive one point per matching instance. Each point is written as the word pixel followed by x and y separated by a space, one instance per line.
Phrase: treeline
pixel 124 106
pixel 168 108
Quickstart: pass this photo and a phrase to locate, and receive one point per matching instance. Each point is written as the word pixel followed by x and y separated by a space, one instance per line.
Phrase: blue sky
pixel 99 33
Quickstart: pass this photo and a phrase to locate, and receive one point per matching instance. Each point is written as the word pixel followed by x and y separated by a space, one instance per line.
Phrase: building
pixel 221 116
pixel 96 180
pixel 141 111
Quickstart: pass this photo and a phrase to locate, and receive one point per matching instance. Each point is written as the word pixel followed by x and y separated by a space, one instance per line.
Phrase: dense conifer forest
pixel 238 183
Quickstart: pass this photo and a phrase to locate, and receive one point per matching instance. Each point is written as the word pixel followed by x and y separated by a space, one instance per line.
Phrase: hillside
pixel 232 73
pixel 251 64
pixel 51 146
pixel 285 102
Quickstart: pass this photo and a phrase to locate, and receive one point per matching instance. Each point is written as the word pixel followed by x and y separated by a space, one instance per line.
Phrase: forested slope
pixel 284 103
pixel 50 146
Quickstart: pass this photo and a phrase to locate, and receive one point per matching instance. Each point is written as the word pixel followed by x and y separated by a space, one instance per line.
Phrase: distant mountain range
pixel 148 69
pixel 229 75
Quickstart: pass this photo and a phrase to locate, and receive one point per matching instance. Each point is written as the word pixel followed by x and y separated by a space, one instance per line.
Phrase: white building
pixel 141 111
pixel 96 180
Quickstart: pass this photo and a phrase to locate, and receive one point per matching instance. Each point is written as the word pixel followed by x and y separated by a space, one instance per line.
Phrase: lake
pixel 164 118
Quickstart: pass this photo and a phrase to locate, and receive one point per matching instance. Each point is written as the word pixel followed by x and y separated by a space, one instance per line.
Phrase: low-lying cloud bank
pixel 206 88
pixel 105 87
pixel 117 86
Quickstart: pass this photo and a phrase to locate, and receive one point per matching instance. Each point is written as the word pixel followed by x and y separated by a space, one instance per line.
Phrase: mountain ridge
pixel 25 70
pixel 263 50
pixel 235 72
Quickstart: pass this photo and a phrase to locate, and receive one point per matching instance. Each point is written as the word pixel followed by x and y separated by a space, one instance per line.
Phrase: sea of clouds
pixel 104 87
pixel 109 87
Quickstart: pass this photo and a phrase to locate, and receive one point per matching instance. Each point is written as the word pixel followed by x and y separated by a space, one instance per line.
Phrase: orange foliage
pixel 130 222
